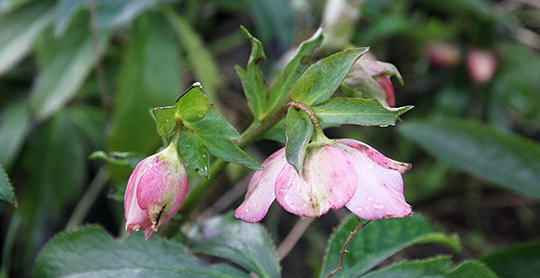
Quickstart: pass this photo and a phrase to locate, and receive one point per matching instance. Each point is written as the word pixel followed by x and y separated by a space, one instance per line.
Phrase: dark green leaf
pixel 216 134
pixel 14 129
pixel 294 69
pixel 273 20
pixel 378 241
pixel 90 252
pixel 516 261
pixel 473 269
pixel 150 77
pixel 432 268
pixel 322 79
pixel 6 191
pixel 299 132
pixel 199 57
pixel 194 153
pixel 255 87
pixel 358 112
pixel 65 62
pixel 246 244
pixel 118 158
pixel 19 29
pixel 505 159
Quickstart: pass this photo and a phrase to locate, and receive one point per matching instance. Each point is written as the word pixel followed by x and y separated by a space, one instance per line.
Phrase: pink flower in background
pixel 155 191
pixel 481 65
pixel 343 173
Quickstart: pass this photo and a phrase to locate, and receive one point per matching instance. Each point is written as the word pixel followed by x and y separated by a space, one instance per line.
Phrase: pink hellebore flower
pixel 155 191
pixel 343 173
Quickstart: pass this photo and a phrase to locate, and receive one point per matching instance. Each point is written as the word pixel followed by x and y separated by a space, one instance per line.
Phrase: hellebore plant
pixel 155 191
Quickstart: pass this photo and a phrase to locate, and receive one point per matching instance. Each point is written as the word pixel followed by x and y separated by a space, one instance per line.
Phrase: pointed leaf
pixel 90 252
pixel 245 244
pixel 15 126
pixel 65 62
pixel 434 268
pixel 194 153
pixel 199 57
pixel 472 269
pixel 19 29
pixel 299 132
pixel 322 79
pixel 149 77
pixel 6 191
pixel 521 260
pixel 255 87
pixel 216 134
pixel 508 160
pixel 378 241
pixel 294 69
pixel 358 112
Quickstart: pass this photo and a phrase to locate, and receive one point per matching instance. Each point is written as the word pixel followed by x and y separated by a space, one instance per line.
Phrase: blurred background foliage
pixel 80 76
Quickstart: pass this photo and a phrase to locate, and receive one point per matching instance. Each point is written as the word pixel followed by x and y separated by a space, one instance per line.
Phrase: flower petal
pixel 260 194
pixel 380 189
pixel 375 155
pixel 329 181
pixel 133 214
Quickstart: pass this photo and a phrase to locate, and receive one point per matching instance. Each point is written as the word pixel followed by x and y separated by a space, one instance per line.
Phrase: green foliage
pixel 505 159
pixel 6 191
pixel 299 131
pixel 194 153
pixel 521 260
pixel 14 129
pixel 90 252
pixel 247 245
pixel 378 241
pixel 321 80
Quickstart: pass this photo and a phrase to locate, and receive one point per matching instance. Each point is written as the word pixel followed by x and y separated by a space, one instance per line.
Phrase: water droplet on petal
pixel 358 208
pixel 377 205
pixel 370 199
pixel 246 210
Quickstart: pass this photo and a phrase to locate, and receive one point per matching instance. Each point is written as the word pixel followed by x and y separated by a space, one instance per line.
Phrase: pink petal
pixel 329 181
pixel 133 214
pixel 375 155
pixel 260 194
pixel 380 189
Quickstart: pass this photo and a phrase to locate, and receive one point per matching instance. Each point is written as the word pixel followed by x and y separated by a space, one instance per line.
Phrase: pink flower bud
pixel 387 88
pixel 342 173
pixel 442 54
pixel 155 191
pixel 481 65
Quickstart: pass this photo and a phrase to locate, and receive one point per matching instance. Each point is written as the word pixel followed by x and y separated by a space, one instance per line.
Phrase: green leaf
pixel 358 112
pixel 191 107
pixel 199 57
pixel 508 160
pixel 194 153
pixel 149 77
pixel 294 69
pixel 432 268
pixel 255 87
pixel 6 191
pixel 322 79
pixel 245 244
pixel 19 29
pixel 473 269
pixel 378 241
pixel 273 20
pixel 90 252
pixel 299 132
pixel 521 260
pixel 14 129
pixel 216 134
pixel 65 62
pixel 118 158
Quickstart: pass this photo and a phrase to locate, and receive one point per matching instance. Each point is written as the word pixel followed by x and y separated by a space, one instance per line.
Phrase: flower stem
pixel 344 249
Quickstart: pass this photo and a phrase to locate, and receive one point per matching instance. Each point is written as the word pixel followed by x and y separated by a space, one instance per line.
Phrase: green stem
pixel 178 131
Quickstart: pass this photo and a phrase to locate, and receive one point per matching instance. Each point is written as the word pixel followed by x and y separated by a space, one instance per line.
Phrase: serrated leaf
pixel 64 62
pixel 473 269
pixel 200 59
pixel 253 82
pixel 90 252
pixel 15 126
pixel 149 77
pixel 432 268
pixel 322 79
pixel 299 131
pixel 294 69
pixel 194 153
pixel 191 107
pixel 6 191
pixel 521 260
pixel 245 244
pixel 19 29
pixel 358 112
pixel 378 241
pixel 507 160
pixel 216 134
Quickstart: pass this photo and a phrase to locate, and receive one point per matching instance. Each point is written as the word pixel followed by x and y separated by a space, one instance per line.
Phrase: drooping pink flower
pixel 341 173
pixel 155 191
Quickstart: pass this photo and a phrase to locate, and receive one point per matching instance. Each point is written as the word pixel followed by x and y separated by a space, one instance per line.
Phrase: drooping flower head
pixel 155 191
pixel 340 173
